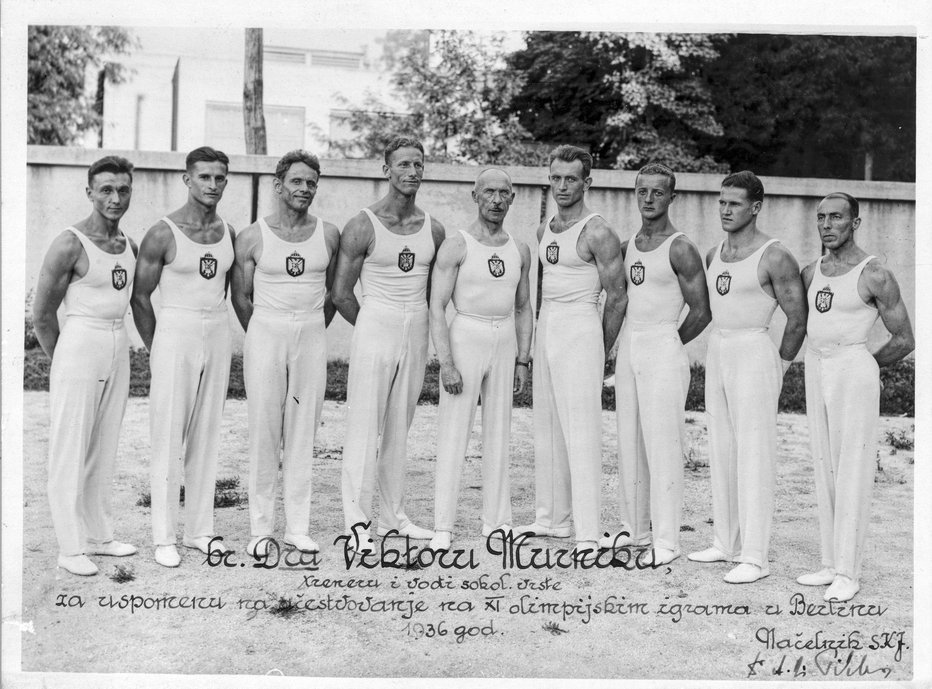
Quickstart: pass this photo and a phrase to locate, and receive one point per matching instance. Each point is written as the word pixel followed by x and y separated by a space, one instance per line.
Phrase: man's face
pixel 299 187
pixel 835 222
pixel 405 170
pixel 567 184
pixel 736 209
pixel 206 182
pixel 110 193
pixel 494 196
pixel 653 195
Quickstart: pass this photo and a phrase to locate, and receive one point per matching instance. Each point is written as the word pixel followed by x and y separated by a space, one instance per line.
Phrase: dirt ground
pixel 677 621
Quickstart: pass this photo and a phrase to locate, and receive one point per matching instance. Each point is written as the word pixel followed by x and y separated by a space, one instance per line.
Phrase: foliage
pixel 454 93
pixel 30 340
pixel 902 440
pixel 58 107
pixel 629 98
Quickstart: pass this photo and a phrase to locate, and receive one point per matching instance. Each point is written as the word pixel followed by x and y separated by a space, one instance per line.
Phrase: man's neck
pixel 289 218
pixel 99 226
pixel 197 214
pixel 570 214
pixel 482 229
pixel 397 205
pixel 651 227
pixel 848 253
pixel 743 238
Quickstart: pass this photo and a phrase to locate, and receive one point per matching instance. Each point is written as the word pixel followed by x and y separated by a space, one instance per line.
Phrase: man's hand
pixel 451 379
pixel 520 379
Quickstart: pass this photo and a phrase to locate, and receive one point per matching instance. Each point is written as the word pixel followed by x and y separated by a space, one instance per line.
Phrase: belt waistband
pixel 410 306
pixel 93 321
pixel 491 320
pixel 730 332
pixel 265 311
pixel 645 326
pixel 218 310
pixel 837 349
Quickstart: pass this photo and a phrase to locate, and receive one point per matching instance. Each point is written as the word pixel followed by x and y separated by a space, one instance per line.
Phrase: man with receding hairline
pixel 484 271
pixel 187 255
pixel 389 249
pixel 847 289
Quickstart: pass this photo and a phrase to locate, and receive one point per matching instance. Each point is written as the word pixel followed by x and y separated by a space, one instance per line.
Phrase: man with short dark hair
pixel 389 249
pixel 847 289
pixel 186 255
pixel 749 274
pixel 88 268
pixel 664 273
pixel 281 293
pixel 581 256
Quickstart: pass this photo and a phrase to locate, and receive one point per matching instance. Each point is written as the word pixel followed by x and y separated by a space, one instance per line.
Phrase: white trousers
pixel 387 359
pixel 843 407
pixel 88 388
pixel 569 359
pixel 742 387
pixel 190 365
pixel 484 353
pixel 285 373
pixel 651 383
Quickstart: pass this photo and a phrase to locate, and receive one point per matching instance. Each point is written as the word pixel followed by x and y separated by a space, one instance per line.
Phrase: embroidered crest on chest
pixel 294 264
pixel 208 268
pixel 553 252
pixel 118 277
pixel 406 259
pixel 823 299
pixel 496 266
pixel 723 283
pixel 637 273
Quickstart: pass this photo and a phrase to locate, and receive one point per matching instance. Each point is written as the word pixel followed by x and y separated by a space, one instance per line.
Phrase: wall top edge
pixel 69 156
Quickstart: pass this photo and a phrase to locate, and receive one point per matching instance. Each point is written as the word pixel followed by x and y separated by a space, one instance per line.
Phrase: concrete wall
pixel 57 177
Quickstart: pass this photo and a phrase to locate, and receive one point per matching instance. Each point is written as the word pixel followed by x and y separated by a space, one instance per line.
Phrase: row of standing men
pixel 290 272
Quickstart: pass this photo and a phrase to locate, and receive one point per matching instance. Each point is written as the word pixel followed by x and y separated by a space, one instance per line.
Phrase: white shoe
pixel 111 548
pixel 712 554
pixel 662 556
pixel 77 564
pixel 586 552
pixel 167 555
pixel 842 589
pixel 617 540
pixel 488 531
pixel 441 541
pixel 258 547
pixel 536 529
pixel 305 544
pixel 203 544
pixel 746 573
pixel 411 531
pixel 823 577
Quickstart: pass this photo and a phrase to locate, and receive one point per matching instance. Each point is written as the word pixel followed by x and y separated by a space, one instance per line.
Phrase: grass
pixel 226 494
pixel 900 440
pixel 122 574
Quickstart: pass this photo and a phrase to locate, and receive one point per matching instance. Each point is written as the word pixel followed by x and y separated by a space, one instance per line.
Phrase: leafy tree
pixel 59 109
pixel 453 94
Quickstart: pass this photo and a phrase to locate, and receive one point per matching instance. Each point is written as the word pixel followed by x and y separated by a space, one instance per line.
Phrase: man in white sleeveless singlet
pixel 847 289
pixel 664 272
pixel 581 256
pixel 484 271
pixel 748 275
pixel 389 249
pixel 89 270
pixel 186 255
pixel 281 293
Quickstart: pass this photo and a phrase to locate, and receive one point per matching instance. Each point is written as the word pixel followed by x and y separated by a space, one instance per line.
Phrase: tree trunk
pixel 253 116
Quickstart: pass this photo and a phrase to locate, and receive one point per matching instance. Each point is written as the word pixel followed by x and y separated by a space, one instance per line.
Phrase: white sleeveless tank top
pixel 735 294
pixel 396 270
pixel 104 290
pixel 567 278
pixel 487 279
pixel 654 295
pixel 291 276
pixel 838 317
pixel 196 278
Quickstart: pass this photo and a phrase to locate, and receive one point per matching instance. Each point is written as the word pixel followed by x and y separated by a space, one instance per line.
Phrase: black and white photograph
pixel 496 344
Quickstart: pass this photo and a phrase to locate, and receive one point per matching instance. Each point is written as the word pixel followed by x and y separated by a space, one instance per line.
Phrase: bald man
pixel 484 271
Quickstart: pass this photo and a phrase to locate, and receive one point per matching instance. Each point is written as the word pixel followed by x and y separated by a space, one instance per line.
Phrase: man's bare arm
pixel 332 237
pixel 783 272
pixel 886 293
pixel 605 247
pixel 438 234
pixel 687 264
pixel 244 270
pixel 524 318
pixel 149 266
pixel 354 245
pixel 229 276
pixel 446 268
pixel 54 278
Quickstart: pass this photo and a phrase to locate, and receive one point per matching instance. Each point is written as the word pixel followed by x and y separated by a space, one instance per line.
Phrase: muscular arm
pixel 783 273
pixel 687 264
pixel 438 234
pixel 229 276
pixel 886 293
pixel 54 278
pixel 149 266
pixel 605 247
pixel 354 245
pixel 244 269
pixel 332 237
pixel 446 268
pixel 524 318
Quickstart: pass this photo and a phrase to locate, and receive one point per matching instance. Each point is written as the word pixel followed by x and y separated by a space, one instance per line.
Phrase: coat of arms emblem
pixel 553 252
pixel 406 259
pixel 294 264
pixel 637 273
pixel 823 299
pixel 208 266
pixel 496 266
pixel 118 277
pixel 723 283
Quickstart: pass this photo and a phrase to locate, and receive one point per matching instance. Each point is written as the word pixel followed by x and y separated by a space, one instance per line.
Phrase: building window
pixel 284 128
